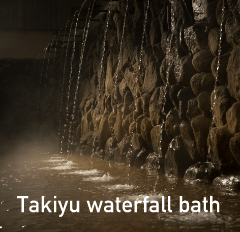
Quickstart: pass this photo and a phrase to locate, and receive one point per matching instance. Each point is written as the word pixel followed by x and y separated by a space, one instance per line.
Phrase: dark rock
pixel 213 42
pixel 229 183
pixel 202 61
pixel 211 14
pixel 152 77
pixel 222 72
pixel 137 143
pixel 202 82
pixel 154 162
pixel 233 71
pixel 201 172
pixel 141 158
pixel 233 118
pixel 118 129
pixel 189 140
pixel 157 103
pixel 222 102
pixel 196 37
pixel 164 67
pixel 234 145
pixel 184 70
pixel 232 29
pixel 193 109
pixel 122 149
pixel 126 124
pixel 109 148
pixel 159 141
pixel 146 128
pixel 145 103
pixel 183 96
pixel 172 120
pixel 128 99
pixel 177 160
pixel 204 102
pixel 220 154
pixel 155 33
pixel 173 92
pixel 200 126
pixel 138 123
pixel 158 53
pixel 219 12
pixel 103 133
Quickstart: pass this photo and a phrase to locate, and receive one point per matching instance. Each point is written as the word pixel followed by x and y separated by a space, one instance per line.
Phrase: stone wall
pixel 191 134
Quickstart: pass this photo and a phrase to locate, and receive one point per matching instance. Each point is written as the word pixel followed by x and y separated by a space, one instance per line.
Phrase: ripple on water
pixel 105 178
pixel 119 187
pixel 152 197
pixel 84 172
pixel 65 166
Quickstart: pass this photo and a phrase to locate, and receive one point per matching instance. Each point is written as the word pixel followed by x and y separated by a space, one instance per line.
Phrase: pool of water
pixel 76 178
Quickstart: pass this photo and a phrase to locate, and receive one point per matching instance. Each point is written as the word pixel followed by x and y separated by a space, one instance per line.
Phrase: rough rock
pixel 141 158
pixel 213 42
pixel 233 73
pixel 234 145
pixel 164 67
pixel 159 141
pixel 202 61
pixel 189 140
pixel 138 123
pixel 184 70
pixel 152 77
pixel 122 149
pixel 204 102
pixel 155 32
pixel 196 37
pixel 201 172
pixel 111 144
pixel 172 123
pixel 118 129
pixel 173 92
pixel 145 103
pixel 220 154
pixel 177 160
pixel 154 162
pixel 193 109
pixel 200 126
pixel 183 96
pixel 222 72
pixel 202 82
pixel 232 29
pixel 221 102
pixel 146 128
pixel 156 105
pixel 233 118
pixel 103 133
pixel 228 183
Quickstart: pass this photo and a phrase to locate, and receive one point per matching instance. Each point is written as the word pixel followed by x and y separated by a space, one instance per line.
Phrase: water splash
pixel 117 71
pixel 100 73
pixel 63 81
pixel 216 76
pixel 105 178
pixel 169 59
pixel 85 35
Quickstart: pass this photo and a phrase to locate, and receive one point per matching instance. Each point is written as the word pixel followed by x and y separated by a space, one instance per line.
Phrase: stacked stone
pixel 186 136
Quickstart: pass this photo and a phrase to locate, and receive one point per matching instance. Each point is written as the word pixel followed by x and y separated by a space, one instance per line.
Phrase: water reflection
pixel 73 179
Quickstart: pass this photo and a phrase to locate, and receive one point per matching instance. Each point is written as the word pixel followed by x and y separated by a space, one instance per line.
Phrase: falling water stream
pixel 100 72
pixel 216 75
pixel 85 35
pixel 63 81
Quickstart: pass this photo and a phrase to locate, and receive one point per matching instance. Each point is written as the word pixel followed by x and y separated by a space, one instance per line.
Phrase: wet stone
pixel 229 183
pixel 201 173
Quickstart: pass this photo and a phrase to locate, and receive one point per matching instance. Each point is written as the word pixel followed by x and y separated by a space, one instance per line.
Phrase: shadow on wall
pixel 23 43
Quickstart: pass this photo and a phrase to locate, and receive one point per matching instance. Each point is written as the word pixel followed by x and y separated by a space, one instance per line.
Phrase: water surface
pixel 72 178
